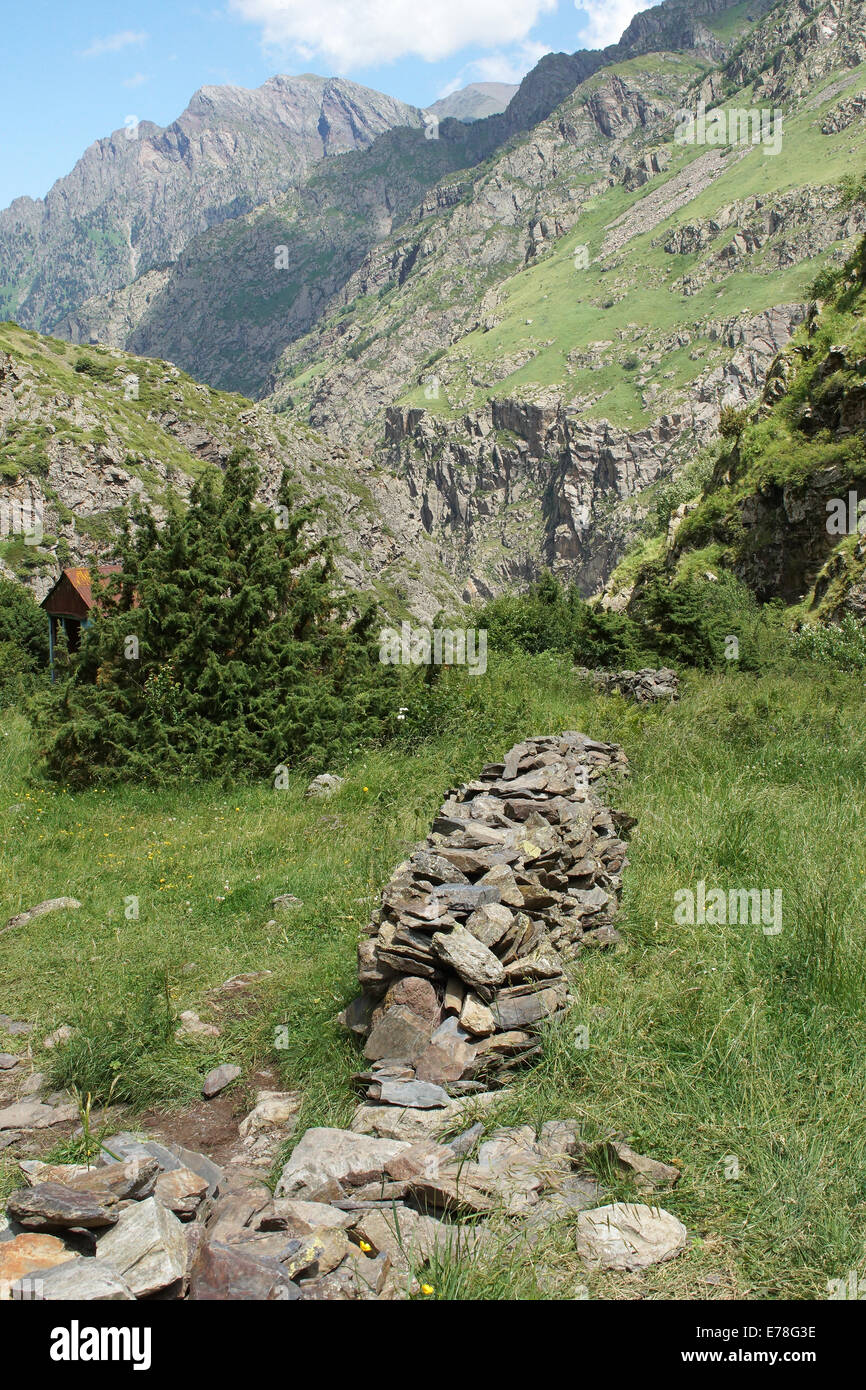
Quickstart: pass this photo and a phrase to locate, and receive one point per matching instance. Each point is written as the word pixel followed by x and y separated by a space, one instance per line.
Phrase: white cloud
pixel 137 80
pixel 359 33
pixel 606 19
pixel 113 43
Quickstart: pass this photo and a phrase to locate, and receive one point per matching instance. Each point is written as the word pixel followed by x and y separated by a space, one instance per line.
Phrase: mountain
pixel 472 102
pixel 530 325
pixel 784 505
pixel 224 311
pixel 135 199
pixel 84 434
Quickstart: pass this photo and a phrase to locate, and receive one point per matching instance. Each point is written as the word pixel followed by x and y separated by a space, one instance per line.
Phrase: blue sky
pixel 75 72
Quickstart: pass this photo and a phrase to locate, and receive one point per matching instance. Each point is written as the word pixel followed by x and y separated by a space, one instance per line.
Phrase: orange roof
pixel 79 577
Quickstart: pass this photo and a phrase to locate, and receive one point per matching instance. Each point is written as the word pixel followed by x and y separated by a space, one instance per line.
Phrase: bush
pixel 841 646
pixel 23 640
pixel 223 650
pixel 690 623
pixel 550 618
pixel 732 421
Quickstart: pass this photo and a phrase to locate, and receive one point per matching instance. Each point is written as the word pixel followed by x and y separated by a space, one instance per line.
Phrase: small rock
pixel 147 1247
pixel 34 1083
pixel 32 1114
pixel 238 984
pixel 285 902
pixel 58 1037
pixel 181 1190
pixel 17 1028
pixel 324 785
pixel 53 1206
pixel 420 1095
pixel 476 1018
pixel 191 1026
pixel 628 1236
pixel 8 1060
pixel 218 1079
pixel 649 1172
pixel 50 905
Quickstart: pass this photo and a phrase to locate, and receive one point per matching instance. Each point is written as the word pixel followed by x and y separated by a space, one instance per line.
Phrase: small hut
pixel 68 604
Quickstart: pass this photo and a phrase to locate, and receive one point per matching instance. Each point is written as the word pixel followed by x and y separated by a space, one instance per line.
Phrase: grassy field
pixel 719 1048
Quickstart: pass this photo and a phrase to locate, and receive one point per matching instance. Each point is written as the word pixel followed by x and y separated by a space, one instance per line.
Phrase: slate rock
pixel 327 1158
pixel 476 1018
pixel 83 1281
pixel 181 1190
pixel 649 1172
pixel 218 1079
pixel 147 1247
pixel 52 1206
pixel 287 1213
pixel 131 1180
pixel 27 1253
pixel 32 1114
pixel 468 958
pixel 459 897
pixel 420 1095
pixel 8 1060
pixel 398 1033
pixel 226 1273
pixel 628 1236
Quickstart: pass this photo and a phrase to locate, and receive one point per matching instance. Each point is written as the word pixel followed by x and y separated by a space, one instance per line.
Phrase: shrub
pixel 838 645
pixel 246 657
pixel 23 639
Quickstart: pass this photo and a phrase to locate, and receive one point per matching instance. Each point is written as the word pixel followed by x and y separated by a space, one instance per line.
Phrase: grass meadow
pixel 736 1055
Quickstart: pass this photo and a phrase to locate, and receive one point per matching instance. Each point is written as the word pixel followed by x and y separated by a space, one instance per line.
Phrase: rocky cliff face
pixel 135 199
pixel 525 485
pixel 82 437
pixel 785 509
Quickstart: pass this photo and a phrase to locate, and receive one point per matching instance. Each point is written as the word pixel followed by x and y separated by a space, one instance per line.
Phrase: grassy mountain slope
pixel 767 511
pixel 83 432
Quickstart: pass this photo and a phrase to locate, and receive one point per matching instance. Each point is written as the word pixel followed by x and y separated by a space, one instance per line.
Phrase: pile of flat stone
pixel 466 956
pixel 464 962
pixel 646 686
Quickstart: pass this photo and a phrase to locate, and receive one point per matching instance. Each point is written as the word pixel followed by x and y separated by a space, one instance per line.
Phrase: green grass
pixel 704 1041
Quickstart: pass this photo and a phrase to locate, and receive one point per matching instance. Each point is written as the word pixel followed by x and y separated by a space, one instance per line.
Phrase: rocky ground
pixel 465 959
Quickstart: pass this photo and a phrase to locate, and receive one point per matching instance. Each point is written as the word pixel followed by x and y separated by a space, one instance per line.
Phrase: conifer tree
pixel 222 647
